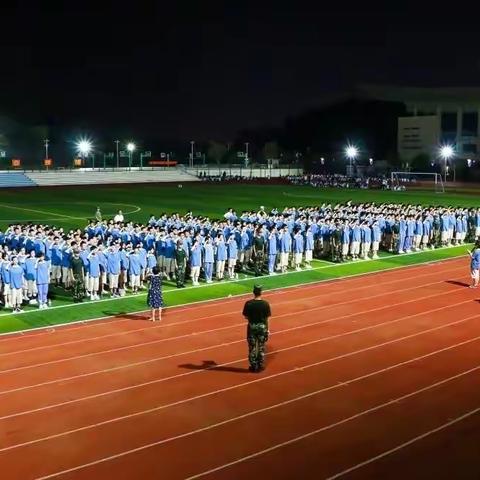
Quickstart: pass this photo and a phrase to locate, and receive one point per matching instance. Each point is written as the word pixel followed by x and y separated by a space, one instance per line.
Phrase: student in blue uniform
pixel 272 251
pixel 134 270
pixel 196 261
pixel 309 246
pixel 221 256
pixel 208 259
pixel 42 278
pixel 232 256
pixel 5 273
pixel 16 285
pixel 93 267
pixel 298 248
pixel 113 269
pixel 475 264
pixel 30 276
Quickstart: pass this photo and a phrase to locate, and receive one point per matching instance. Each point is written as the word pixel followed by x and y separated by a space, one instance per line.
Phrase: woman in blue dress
pixel 154 296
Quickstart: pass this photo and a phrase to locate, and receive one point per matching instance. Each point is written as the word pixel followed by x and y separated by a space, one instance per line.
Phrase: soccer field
pixel 71 207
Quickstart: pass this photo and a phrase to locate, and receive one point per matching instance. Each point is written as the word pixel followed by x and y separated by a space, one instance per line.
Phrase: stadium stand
pixel 82 177
pixel 16 179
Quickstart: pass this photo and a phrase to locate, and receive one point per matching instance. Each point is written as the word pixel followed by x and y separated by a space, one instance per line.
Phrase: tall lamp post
pixel 45 144
pixel 351 152
pixel 446 152
pixel 130 147
pixel 118 158
pixel 192 147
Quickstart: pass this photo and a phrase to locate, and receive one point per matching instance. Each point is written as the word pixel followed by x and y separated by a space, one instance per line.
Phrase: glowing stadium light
pixel 469 162
pixel 84 147
pixel 370 160
pixel 446 152
pixel 351 152
pixel 131 147
pixel 322 161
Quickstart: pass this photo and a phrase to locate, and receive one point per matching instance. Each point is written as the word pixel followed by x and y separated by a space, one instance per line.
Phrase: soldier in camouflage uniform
pixel 180 265
pixel 78 272
pixel 336 243
pixel 258 252
pixel 257 311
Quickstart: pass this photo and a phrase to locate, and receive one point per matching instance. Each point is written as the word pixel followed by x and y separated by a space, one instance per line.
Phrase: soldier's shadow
pixel 212 365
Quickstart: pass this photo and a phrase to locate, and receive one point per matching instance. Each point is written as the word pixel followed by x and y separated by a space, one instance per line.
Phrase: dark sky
pixel 205 69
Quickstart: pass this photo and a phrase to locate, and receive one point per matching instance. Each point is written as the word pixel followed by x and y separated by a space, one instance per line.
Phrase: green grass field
pixel 71 207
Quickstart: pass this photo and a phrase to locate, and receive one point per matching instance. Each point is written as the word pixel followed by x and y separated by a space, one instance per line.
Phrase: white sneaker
pixel 298 269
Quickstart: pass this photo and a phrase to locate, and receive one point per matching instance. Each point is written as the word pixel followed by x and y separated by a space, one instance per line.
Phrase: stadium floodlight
pixel 84 147
pixel 446 152
pixel 131 147
pixel 351 152
pixel 370 160
pixel 469 162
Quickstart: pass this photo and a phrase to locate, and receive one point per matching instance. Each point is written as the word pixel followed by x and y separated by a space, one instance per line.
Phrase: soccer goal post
pixel 425 180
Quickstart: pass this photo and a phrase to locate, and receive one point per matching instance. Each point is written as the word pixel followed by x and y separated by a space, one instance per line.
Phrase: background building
pixel 435 116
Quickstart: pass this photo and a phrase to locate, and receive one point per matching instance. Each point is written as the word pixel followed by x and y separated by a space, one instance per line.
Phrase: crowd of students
pixel 115 256
pixel 339 181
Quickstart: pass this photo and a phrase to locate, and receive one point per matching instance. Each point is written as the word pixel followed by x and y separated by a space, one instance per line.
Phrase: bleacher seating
pixel 80 177
pixel 15 179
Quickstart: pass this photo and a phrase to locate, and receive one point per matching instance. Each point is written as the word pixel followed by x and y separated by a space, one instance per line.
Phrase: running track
pixel 376 376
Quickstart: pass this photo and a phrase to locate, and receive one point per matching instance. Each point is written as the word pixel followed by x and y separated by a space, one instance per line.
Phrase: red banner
pixel 162 163
pixel 16 163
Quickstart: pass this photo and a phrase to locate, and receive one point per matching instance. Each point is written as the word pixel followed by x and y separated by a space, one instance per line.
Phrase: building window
pixel 469 148
pixel 449 122
pixel 470 124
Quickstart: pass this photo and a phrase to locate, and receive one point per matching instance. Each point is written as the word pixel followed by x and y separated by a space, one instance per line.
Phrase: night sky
pixel 204 70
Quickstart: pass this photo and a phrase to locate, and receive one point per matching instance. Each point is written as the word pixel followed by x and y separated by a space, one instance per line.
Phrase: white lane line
pixel 223 344
pixel 286 302
pixel 403 445
pixel 296 369
pixel 299 438
pixel 161 340
pixel 278 405
pixel 250 278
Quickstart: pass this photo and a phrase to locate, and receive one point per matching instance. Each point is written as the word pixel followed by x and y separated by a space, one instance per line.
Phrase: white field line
pixel 261 379
pixel 161 340
pixel 242 340
pixel 287 302
pixel 205 285
pixel 269 408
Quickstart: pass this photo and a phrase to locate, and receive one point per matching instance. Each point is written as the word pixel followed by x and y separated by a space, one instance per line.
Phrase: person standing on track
pixel 154 296
pixel 257 312
pixel 475 264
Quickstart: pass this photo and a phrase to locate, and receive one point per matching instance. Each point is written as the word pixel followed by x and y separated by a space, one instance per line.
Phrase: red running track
pixel 369 377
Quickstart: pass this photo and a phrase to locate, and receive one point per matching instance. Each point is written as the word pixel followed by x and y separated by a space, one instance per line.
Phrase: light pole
pixel 446 152
pixel 46 142
pixel 246 153
pixel 130 148
pixel 351 152
pixel 192 146
pixel 118 158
